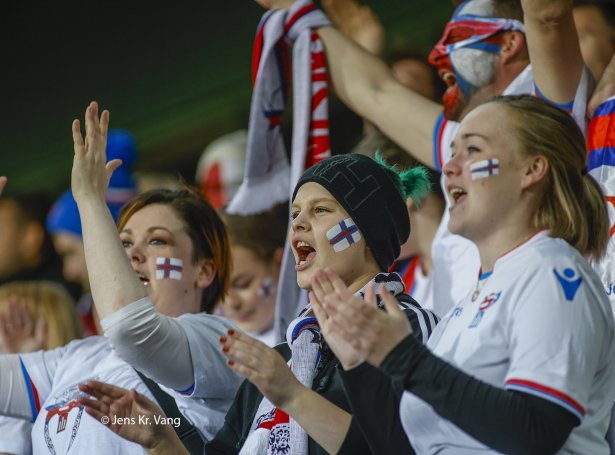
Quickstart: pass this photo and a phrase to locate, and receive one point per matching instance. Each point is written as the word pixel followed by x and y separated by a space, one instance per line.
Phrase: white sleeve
pixel 556 330
pixel 15 436
pixel 212 377
pixel 152 343
pixel 182 353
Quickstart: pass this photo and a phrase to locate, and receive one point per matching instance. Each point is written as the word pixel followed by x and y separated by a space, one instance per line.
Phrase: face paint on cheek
pixel 343 235
pixel 169 268
pixel 474 68
pixel 485 168
pixel 266 288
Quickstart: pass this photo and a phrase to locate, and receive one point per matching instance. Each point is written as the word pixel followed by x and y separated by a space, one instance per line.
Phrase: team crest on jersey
pixel 487 302
pixel 57 418
pixel 570 281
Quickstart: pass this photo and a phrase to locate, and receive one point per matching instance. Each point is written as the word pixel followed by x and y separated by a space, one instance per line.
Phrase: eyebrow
pixel 317 200
pixel 469 135
pixel 151 229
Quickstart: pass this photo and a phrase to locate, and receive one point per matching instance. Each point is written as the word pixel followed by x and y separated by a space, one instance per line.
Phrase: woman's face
pixel 70 248
pixel 250 302
pixel 483 178
pixel 160 251
pixel 315 213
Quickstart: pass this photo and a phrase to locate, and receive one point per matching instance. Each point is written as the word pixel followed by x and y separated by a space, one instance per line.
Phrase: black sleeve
pixel 374 402
pixel 507 421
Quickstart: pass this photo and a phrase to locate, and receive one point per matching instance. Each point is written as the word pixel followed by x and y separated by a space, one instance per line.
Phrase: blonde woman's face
pixel 480 202
pixel 250 302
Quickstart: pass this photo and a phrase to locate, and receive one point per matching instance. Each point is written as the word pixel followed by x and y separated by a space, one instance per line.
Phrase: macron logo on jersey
pixel 569 282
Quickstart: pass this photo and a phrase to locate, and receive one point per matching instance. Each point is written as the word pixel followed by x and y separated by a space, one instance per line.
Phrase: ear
pixel 514 47
pixel 206 274
pixel 535 171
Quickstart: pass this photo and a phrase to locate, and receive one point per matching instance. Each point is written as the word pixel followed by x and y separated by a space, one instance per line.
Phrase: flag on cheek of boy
pixel 343 235
pixel 601 166
pixel 169 268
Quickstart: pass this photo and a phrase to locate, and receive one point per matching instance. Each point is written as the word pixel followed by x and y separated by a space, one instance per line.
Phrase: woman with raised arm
pixel 173 261
pixel 523 363
pixel 349 213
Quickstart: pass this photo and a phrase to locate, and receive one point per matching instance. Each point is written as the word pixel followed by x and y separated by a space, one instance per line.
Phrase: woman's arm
pixel 504 420
pixel 113 281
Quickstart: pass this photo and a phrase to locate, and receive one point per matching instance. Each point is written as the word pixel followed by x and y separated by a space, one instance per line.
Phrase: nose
pixel 135 254
pixel 452 167
pixel 300 223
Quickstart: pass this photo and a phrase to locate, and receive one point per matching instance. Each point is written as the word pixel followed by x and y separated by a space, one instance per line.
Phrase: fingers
pixel 101 390
pixel 370 294
pixel 104 123
pixel 337 283
pixel 3 181
pixel 78 144
pixel 40 332
pixel 391 304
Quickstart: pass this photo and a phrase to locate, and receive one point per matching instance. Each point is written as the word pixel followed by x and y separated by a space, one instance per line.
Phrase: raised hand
pixel 19 331
pixel 357 22
pixel 373 333
pixel 130 415
pixel 91 172
pixel 323 288
pixel 262 366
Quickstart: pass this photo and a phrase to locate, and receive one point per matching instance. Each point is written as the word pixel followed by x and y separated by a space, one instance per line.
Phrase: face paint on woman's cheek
pixel 485 168
pixel 266 288
pixel 169 268
pixel 343 235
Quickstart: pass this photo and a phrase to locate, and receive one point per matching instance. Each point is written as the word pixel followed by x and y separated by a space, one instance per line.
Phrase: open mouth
pixel 305 254
pixel 448 77
pixel 143 279
pixel 456 195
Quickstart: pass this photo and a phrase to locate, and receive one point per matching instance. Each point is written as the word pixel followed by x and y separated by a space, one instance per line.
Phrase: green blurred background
pixel 177 75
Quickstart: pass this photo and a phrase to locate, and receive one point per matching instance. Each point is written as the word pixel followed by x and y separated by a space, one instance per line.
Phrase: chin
pixel 303 279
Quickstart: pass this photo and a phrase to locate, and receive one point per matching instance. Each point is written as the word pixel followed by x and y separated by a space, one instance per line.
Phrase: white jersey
pixel 541 324
pixel 15 436
pixel 61 424
pixel 455 259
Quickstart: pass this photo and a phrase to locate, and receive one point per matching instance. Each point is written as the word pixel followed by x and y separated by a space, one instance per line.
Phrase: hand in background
pixel 19 331
pixel 357 22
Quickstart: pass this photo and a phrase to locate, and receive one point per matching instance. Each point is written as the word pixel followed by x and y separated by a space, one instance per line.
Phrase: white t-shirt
pixel 15 436
pixel 455 259
pixel 61 425
pixel 542 325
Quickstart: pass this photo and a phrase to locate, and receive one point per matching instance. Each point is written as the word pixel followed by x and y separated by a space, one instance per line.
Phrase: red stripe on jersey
pixel 549 391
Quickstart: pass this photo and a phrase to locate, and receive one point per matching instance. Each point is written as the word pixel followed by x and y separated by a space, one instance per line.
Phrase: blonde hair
pixel 573 206
pixel 48 301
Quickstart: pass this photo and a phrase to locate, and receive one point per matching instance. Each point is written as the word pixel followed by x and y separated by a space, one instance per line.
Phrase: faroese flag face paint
pixel 169 268
pixel 485 168
pixel 343 235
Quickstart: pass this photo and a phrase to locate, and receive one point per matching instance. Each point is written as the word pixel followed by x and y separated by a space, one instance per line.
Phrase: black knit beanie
pixel 374 196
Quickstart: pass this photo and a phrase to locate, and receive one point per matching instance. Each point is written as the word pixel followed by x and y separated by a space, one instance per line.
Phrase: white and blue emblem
pixel 487 302
pixel 570 281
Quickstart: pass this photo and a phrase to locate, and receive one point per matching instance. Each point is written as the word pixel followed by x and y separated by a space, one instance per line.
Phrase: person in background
pixel 34 315
pixel 27 249
pixel 257 246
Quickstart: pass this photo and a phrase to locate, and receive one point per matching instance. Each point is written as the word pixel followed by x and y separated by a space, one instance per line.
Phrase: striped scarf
pixel 273 431
pixel 268 178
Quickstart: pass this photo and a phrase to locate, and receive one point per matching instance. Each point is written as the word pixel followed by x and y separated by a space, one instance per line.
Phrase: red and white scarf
pixel 268 178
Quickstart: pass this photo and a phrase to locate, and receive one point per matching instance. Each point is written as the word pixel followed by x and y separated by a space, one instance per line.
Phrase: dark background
pixel 176 74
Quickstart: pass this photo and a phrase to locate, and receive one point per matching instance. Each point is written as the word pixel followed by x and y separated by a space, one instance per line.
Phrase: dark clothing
pixel 328 383
pixel 504 420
